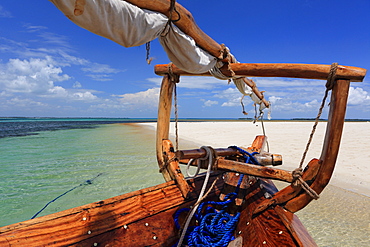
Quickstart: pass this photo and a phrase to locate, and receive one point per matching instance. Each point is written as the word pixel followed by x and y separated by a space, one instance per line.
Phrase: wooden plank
pixel 304 71
pixel 112 222
pixel 271 227
pixel 77 224
pixel 296 228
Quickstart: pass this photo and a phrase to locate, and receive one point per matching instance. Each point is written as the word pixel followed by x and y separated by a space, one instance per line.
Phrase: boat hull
pixel 145 218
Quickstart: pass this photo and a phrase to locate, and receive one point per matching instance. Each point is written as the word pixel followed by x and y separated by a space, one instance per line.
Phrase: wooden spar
pixel 331 145
pixel 163 122
pixel 304 71
pixel 185 22
pixel 255 170
pixel 250 169
pixel 201 153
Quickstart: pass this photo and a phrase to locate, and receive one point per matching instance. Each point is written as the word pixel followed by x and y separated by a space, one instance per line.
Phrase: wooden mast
pixel 163 122
pixel 169 168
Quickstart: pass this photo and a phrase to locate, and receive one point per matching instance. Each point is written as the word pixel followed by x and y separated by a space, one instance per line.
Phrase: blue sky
pixel 51 67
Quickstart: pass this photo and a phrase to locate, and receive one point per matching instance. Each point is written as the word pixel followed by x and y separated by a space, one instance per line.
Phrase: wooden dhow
pixel 149 217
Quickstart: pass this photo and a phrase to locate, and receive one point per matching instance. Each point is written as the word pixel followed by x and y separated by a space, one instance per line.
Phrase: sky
pixel 50 67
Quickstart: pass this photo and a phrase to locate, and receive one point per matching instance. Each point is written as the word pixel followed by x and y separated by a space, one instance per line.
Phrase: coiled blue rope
pixel 248 157
pixel 215 228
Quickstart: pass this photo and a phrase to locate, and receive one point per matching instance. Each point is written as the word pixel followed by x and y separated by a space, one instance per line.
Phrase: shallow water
pixel 35 169
pixel 339 218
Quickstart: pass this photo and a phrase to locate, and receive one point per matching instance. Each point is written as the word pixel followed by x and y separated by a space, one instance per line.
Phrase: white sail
pixel 128 25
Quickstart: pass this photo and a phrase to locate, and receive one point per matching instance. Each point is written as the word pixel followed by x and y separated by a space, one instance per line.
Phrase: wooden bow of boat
pixel 317 173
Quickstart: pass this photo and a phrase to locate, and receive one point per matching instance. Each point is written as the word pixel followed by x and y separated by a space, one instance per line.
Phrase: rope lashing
pixel 298 180
pixel 248 157
pixel 329 86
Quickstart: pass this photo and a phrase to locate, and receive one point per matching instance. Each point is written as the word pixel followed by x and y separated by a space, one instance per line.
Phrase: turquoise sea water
pixel 43 158
pixel 35 169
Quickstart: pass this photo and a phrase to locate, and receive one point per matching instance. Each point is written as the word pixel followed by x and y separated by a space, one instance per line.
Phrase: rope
pixel 87 182
pixel 147 47
pixel 188 166
pixel 174 78
pixel 210 157
pixel 329 86
pixel 215 227
pixel 297 174
pixel 168 24
pixel 176 118
pixel 248 157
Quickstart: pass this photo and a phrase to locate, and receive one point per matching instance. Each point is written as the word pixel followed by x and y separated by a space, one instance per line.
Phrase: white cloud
pixel 209 102
pixel 77 85
pixel 100 68
pixel 18 102
pixel 144 99
pixel 287 82
pixel 30 76
pixel 194 82
pixel 358 96
pixel 36 77
pixel 85 96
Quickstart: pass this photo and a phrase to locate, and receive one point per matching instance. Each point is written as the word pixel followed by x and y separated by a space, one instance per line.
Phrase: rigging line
pixel 87 182
pixel 329 85
pixel 176 118
pixel 210 157
pixel 264 132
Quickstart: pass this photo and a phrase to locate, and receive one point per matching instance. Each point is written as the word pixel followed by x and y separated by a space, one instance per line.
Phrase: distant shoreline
pixel 146 120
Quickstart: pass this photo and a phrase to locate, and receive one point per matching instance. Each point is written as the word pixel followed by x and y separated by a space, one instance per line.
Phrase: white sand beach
pixel 289 139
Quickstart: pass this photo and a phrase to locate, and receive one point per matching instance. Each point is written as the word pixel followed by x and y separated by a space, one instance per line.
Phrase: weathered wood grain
pixel 163 122
pixel 185 22
pixel 304 71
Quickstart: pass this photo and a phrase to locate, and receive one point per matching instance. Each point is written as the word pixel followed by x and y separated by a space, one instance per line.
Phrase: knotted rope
pixel 297 173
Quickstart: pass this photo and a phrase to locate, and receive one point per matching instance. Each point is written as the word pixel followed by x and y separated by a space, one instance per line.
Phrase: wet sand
pixel 341 217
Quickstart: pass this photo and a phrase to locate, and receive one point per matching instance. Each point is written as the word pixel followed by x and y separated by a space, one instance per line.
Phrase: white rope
pixel 188 166
pixel 209 156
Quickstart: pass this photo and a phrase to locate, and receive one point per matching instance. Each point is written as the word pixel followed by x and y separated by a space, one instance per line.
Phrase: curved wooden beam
pixel 163 122
pixel 331 145
pixel 304 71
pixel 290 191
pixel 185 22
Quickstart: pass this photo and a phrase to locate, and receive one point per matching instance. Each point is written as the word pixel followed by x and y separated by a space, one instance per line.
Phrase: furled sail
pixel 129 25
